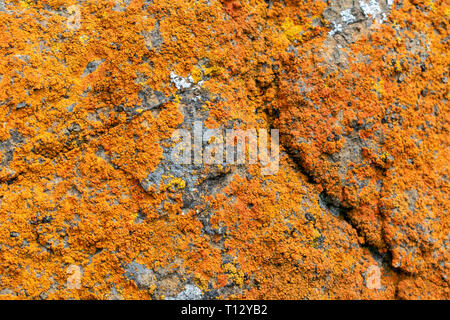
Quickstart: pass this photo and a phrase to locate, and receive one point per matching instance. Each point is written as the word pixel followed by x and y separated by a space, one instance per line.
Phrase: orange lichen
pixel 370 132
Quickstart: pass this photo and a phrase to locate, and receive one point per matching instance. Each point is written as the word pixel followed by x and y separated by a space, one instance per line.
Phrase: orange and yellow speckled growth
pixel 71 195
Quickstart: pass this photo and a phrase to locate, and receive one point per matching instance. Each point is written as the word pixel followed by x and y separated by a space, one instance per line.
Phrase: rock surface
pixel 91 207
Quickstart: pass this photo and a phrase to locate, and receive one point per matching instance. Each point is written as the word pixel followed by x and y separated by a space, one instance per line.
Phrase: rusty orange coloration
pixel 87 109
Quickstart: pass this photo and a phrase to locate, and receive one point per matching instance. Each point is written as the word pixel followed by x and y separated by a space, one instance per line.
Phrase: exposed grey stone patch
pixel 23 57
pixel 8 147
pixel 331 205
pixel 412 196
pixel 22 105
pixel 190 292
pixel 151 99
pixel 196 181
pixel 140 217
pixel 309 216
pixel 74 127
pixel 207 229
pixel 91 67
pixel 43 295
pixel 330 14
pixel 141 275
pixel 154 178
pixel 71 107
pixel 7 291
pixel 153 39
pixel 3 8
pixel 197 178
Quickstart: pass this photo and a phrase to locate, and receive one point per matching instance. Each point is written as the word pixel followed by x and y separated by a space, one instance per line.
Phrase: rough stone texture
pixel 91 92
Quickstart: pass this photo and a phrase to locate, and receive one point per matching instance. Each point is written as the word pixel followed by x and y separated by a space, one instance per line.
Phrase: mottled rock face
pixel 374 128
pixel 93 206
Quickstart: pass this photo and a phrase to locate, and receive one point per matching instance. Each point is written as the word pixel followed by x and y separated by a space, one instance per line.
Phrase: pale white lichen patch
pixel 180 82
pixel 337 27
pixel 347 16
pixel 373 9
pixel 190 292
